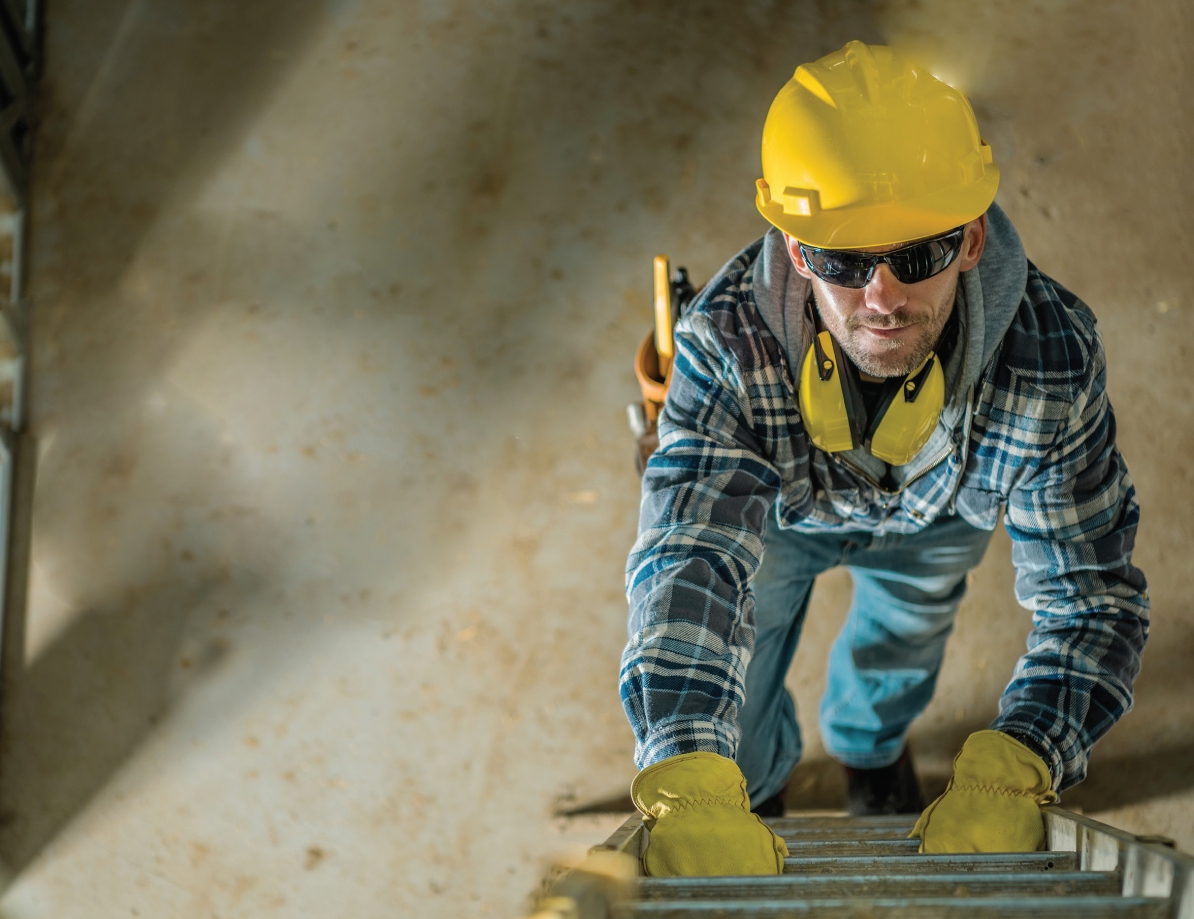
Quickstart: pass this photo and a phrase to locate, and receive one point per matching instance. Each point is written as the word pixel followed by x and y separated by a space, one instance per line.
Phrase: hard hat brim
pixel 867 225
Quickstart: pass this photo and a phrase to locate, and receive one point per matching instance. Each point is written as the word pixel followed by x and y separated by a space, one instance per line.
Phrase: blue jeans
pixel 883 666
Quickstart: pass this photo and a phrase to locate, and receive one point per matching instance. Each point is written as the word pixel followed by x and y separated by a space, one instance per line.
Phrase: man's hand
pixel 695 806
pixel 992 803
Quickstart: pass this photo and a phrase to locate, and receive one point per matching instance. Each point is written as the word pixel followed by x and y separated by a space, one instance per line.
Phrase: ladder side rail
pixel 1147 868
pixel 630 837
pixel 604 883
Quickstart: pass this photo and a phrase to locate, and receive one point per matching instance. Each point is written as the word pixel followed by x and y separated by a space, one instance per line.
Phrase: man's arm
pixel 1072 518
pixel 706 492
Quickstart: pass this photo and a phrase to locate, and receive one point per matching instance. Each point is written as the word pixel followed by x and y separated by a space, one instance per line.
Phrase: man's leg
pixel 884 665
pixel 770 746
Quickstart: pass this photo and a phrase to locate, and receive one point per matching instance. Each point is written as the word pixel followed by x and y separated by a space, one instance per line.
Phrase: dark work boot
pixel 773 806
pixel 887 790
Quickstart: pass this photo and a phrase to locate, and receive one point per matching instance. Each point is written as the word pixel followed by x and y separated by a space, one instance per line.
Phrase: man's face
pixel 888 328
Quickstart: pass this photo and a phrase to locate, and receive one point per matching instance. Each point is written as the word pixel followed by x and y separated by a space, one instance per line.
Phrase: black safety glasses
pixel 910 264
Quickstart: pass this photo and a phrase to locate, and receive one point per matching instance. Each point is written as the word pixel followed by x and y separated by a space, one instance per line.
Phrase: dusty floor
pixel 334 304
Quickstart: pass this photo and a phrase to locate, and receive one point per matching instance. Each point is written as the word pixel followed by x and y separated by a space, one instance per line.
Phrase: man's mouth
pixel 887 332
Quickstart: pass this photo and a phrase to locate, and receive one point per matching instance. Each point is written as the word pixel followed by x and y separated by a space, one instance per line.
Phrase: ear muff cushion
pixel 907 425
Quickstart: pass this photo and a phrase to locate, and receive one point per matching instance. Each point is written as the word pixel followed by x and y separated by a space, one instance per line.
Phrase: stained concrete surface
pixel 333 307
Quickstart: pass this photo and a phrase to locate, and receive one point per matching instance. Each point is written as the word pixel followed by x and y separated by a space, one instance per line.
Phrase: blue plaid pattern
pixel 1040 444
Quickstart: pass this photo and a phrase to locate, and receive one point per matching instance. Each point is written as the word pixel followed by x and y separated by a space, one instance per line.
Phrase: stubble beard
pixel 895 358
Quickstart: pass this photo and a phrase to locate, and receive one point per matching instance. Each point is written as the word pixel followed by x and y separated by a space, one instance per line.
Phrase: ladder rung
pixel 844 832
pixel 903 908
pixel 933 864
pixel 803 887
pixel 837 821
pixel 837 847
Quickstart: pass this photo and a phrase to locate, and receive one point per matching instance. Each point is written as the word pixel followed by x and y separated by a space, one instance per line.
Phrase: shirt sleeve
pixel 1072 516
pixel 706 492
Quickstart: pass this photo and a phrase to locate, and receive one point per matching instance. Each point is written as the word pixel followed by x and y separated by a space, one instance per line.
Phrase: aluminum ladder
pixel 867 867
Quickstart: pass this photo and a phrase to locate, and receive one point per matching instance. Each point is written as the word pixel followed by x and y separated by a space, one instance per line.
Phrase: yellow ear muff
pixel 823 397
pixel 911 414
pixel 833 415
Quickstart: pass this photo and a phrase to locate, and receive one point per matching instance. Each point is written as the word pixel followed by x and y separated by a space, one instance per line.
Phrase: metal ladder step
pixel 821 887
pixel 825 848
pixel 894 823
pixel 866 867
pixel 931 864
pixel 902 907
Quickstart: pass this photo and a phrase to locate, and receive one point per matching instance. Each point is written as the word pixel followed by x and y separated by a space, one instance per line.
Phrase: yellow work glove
pixel 992 803
pixel 695 806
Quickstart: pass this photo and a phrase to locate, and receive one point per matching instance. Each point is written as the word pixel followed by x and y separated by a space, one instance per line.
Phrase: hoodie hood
pixel 991 293
pixel 988 297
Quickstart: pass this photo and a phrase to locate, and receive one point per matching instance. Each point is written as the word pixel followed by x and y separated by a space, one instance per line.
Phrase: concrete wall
pixel 334 304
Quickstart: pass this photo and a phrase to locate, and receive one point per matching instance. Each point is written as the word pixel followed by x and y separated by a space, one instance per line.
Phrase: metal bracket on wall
pixel 20 63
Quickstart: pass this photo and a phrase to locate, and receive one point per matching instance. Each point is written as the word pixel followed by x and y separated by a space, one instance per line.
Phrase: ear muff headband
pixel 834 413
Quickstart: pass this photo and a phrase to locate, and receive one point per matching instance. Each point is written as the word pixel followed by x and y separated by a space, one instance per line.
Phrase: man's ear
pixel 797 258
pixel 973 243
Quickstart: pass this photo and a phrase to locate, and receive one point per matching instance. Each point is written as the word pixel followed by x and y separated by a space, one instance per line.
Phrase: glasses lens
pixel 834 266
pixel 921 261
pixel 912 264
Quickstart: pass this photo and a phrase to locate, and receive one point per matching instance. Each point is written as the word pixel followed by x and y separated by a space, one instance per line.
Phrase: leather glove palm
pixel 695 806
pixel 992 803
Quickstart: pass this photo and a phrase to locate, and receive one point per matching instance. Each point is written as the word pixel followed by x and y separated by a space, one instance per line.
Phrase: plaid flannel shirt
pixel 1038 442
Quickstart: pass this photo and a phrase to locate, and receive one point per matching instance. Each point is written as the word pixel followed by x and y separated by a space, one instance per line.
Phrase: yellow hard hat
pixel 864 148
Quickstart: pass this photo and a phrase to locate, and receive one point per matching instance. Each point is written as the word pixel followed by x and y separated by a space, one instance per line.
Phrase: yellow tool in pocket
pixel 654 358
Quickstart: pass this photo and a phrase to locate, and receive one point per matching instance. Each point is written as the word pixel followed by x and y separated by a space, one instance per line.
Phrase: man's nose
pixel 884 293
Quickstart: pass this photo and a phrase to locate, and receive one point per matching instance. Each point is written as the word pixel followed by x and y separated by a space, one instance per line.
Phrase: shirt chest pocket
pixel 930 495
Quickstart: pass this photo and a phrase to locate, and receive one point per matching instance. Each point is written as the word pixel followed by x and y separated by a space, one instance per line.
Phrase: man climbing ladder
pixel 869 385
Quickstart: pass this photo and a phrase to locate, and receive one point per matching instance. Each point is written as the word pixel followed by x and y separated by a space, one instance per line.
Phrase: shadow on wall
pixel 72 716
pixel 1111 783
pixel 1135 778
pixel 93 693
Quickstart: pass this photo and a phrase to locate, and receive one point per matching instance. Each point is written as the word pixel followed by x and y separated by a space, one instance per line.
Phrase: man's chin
pixel 892 362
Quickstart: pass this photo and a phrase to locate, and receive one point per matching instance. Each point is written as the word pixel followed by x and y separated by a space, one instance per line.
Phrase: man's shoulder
pixel 726 290
pixel 1052 341
pixel 724 314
